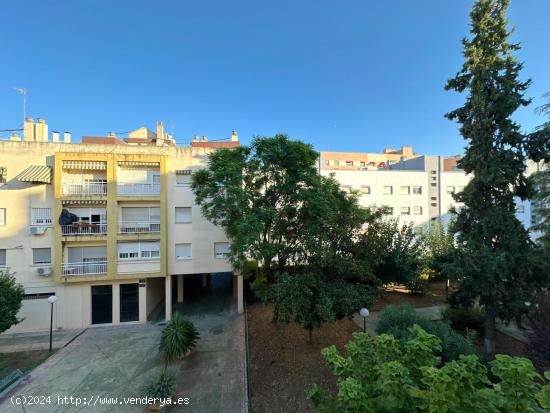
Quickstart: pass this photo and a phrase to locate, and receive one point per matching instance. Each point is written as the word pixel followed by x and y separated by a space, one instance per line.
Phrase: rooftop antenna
pixel 23 92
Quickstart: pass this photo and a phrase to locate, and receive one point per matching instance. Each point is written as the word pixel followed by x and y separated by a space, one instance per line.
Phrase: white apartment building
pixel 416 188
pixel 109 226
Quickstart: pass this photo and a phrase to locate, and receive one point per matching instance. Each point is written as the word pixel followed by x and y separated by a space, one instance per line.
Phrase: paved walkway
pixel 11 343
pixel 118 361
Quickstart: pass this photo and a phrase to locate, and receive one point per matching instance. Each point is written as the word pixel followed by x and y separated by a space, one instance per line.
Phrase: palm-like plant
pixel 178 338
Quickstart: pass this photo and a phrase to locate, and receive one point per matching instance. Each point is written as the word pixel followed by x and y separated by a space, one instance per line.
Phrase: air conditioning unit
pixel 44 271
pixel 38 230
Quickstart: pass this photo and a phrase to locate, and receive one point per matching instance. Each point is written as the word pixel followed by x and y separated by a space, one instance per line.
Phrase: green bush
pixel 161 386
pixel 397 320
pixel 462 318
pixel 178 337
pixel 385 375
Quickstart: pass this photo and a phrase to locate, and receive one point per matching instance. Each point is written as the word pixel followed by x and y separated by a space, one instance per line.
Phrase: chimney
pixel 234 136
pixel 160 133
pixel 67 137
pixel 55 136
pixel 196 138
pixel 41 130
pixel 205 139
pixel 28 129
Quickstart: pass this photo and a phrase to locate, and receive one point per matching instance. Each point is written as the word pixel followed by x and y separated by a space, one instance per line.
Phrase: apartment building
pixel 109 226
pixel 416 188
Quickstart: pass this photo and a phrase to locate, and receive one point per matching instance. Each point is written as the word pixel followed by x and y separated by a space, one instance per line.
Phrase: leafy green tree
pixel 438 243
pixel 11 296
pixel 256 194
pixel 495 261
pixel 384 375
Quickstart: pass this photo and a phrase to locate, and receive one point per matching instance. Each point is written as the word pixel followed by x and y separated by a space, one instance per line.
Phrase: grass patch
pixel 23 360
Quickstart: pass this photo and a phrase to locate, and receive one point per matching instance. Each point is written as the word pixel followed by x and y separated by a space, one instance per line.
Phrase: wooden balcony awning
pixel 91 165
pixel 36 174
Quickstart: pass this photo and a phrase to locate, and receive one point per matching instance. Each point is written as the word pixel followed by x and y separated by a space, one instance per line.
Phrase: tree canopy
pixel 495 261
pixel 11 296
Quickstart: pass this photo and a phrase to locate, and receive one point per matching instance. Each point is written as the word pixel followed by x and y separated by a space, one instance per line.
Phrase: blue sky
pixel 354 75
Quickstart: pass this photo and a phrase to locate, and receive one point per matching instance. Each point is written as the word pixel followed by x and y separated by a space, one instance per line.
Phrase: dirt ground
pixel 435 295
pixel 24 360
pixel 282 365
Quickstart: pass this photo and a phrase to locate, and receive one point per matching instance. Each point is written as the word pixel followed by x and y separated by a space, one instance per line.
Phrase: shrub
pixel 161 386
pixel 397 320
pixel 462 318
pixel 384 375
pixel 178 337
pixel 539 339
pixel 11 294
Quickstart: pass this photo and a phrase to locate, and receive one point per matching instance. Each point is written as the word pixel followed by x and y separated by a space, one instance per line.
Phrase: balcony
pixel 79 228
pixel 94 187
pixel 131 189
pixel 70 269
pixel 136 227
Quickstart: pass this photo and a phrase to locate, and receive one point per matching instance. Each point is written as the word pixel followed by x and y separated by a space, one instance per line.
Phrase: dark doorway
pixel 129 302
pixel 102 304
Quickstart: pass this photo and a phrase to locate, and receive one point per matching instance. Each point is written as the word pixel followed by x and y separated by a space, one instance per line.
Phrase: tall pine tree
pixel 495 262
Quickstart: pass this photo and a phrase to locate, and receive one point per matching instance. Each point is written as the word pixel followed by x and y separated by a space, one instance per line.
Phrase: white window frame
pixel 365 189
pixel 405 210
pixel 185 208
pixel 450 190
pixel 3 257
pixel 385 187
pixel 41 261
pixel 3 214
pixel 221 255
pixel 417 210
pixel 405 190
pixel 184 257
pixel 417 190
pixel 41 216
pixel 142 251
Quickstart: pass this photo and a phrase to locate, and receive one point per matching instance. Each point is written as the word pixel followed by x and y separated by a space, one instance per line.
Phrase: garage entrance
pixel 204 293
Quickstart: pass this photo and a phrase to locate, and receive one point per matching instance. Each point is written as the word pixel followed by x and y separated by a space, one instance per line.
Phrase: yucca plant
pixel 178 338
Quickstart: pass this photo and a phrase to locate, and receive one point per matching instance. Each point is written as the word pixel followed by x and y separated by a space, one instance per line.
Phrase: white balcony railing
pixel 133 227
pixel 138 188
pixel 84 268
pixel 85 188
pixel 79 228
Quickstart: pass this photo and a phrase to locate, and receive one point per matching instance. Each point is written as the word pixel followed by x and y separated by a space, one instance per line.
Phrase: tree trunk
pixel 310 336
pixel 489 339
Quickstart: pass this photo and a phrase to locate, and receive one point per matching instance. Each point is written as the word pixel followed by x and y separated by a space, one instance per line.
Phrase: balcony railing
pixel 84 268
pixel 85 188
pixel 133 227
pixel 138 188
pixel 84 229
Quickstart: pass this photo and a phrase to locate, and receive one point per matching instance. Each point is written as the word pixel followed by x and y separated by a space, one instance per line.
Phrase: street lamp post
pixel 51 299
pixel 364 313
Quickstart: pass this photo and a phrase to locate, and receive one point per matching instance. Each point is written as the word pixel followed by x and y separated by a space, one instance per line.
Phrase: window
pixel 417 190
pixel 346 188
pixel 450 190
pixel 183 177
pixel 389 210
pixel 140 215
pixel 3 174
pixel 327 163
pixel 434 204
pixel 336 163
pixel 2 258
pixel 520 209
pixel 142 250
pixel 459 188
pixel 433 184
pixel 2 217
pixel 362 163
pixel 405 190
pixel 41 216
pixel 221 249
pixel 417 210
pixel 349 163
pixel 433 198
pixel 183 252
pixel 365 189
pixel 387 190
pixel 183 215
pixel 41 256
pixel 433 172
pixel 434 178
pixel 405 210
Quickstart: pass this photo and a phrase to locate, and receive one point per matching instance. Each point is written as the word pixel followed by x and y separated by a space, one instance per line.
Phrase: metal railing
pixel 84 229
pixel 138 188
pixel 84 268
pixel 133 227
pixel 85 188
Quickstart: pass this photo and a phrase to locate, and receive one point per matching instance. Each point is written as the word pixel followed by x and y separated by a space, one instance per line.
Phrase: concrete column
pixel 240 299
pixel 234 285
pixel 168 298
pixel 180 288
pixel 142 295
pixel 116 303
pixel 204 280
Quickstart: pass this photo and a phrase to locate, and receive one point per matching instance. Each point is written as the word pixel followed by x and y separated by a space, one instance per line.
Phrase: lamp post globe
pixel 51 299
pixel 364 313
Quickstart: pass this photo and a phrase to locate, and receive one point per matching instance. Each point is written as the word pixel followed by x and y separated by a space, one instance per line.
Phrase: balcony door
pixel 102 304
